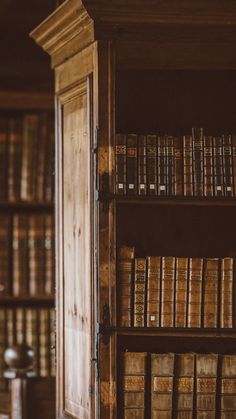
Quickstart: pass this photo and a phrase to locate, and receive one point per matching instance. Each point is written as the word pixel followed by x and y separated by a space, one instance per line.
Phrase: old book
pixel 3 159
pixel 29 155
pixel 197 134
pixel 120 154
pixel 153 291
pixel 206 373
pixel 218 166
pixel 20 255
pixel 50 163
pixel 134 384
pixel 188 164
pixel 208 166
pixel 184 385
pixel 20 325
pixel 131 164
pixel 14 158
pixel 44 342
pixel 210 292
pixel 125 271
pixel 139 292
pixel 10 329
pixel 41 155
pixel 142 165
pixel 227 165
pixel 228 387
pixel 36 255
pixel 181 292
pixel 195 292
pixel 152 180
pixel 226 299
pixel 178 164
pixel 169 165
pixel 161 166
pixel 167 291
pixel 3 346
pixel 5 285
pixel 49 255
pixel 32 333
pixel 233 144
pixel 52 342
pixel 162 381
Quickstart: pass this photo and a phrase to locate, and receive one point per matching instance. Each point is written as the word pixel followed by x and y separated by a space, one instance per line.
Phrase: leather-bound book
pixel 167 291
pixel 36 255
pixel 210 292
pixel 218 166
pixel 20 255
pixel 120 149
pixel 44 342
pixel 181 292
pixel 178 164
pixel 4 254
pixel 49 255
pixel 197 134
pixel 153 291
pixel 142 165
pixel 131 164
pixel 208 166
pixel 10 327
pixel 125 271
pixel 50 164
pixel 228 387
pixel 184 385
pixel 169 165
pixel 29 156
pixel 233 144
pixel 161 166
pixel 134 384
pixel 14 158
pixel 3 159
pixel 52 343
pixel 228 165
pixel 3 346
pixel 139 292
pixel 162 381
pixel 152 180
pixel 188 164
pixel 206 373
pixel 195 292
pixel 226 294
pixel 32 333
pixel 20 325
pixel 41 155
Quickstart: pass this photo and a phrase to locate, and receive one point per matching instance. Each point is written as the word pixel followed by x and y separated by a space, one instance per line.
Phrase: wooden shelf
pixel 45 300
pixel 26 206
pixel 174 201
pixel 177 332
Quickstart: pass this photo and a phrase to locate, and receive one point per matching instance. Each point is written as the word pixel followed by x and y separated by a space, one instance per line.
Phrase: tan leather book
pixel 181 284
pixel 188 164
pixel 20 326
pixel 139 292
pixel 184 385
pixel 36 240
pixel 226 302
pixel 210 294
pixel 206 373
pixel 167 291
pixel 153 291
pixel 162 380
pixel 20 255
pixel 195 292
pixel 44 342
pixel 125 270
pixel 228 386
pixel 134 383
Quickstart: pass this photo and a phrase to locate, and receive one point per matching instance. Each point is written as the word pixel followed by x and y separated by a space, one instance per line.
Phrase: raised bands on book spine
pixel 131 163
pixel 120 148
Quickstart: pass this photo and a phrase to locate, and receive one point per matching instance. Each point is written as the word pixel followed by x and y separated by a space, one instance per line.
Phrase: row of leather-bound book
pixel 31 326
pixel 166 291
pixel 178 385
pixel 164 165
pixel 27 157
pixel 27 255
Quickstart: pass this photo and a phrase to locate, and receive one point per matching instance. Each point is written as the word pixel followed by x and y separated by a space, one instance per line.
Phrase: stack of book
pixel 27 157
pixel 165 291
pixel 192 165
pixel 183 386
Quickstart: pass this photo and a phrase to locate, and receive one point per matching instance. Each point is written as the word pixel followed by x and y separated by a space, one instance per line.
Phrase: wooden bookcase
pixel 142 67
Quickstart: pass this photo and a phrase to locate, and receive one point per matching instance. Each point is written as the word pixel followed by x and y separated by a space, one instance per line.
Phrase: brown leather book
pixel 152 180
pixel 20 255
pixel 181 292
pixel 161 166
pixel 162 381
pixel 50 163
pixel 226 295
pixel 233 144
pixel 44 342
pixel 184 385
pixel 52 342
pixel 169 165
pixel 210 292
pixel 206 373
pixel 120 149
pixel 134 384
pixel 14 158
pixel 131 164
pixel 228 387
pixel 139 292
pixel 218 166
pixel 32 333
pixel 208 166
pixel 178 164
pixel 3 159
pixel 29 155
pixel 197 134
pixel 4 254
pixel 20 326
pixel 41 155
pixel 227 165
pixel 3 346
pixel 49 255
pixel 195 292
pixel 188 164
pixel 167 291
pixel 153 291
pixel 125 271
pixel 142 165
pixel 36 242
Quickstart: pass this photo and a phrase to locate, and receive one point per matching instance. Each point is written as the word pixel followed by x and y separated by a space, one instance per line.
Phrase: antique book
pixel 131 164
pixel 42 158
pixel 14 158
pixel 188 164
pixel 208 166
pixel 20 255
pixel 50 163
pixel 227 165
pixel 233 144
pixel 134 384
pixel 153 290
pixel 10 329
pixel 218 166
pixel 5 238
pixel 20 325
pixel 167 291
pixel 49 273
pixel 32 333
pixel 52 342
pixel 139 292
pixel 210 292
pixel 3 346
pixel 162 381
pixel 142 165
pixel 44 342
pixel 125 285
pixel 36 254
pixel 197 134
pixel 206 373
pixel 184 385
pixel 161 166
pixel 3 159
pixel 195 292
pixel 169 165
pixel 228 387
pixel 120 154
pixel 226 299
pixel 29 154
pixel 181 292
pixel 178 165
pixel 152 180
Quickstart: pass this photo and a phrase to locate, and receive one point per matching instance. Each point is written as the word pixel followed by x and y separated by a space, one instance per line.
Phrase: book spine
pixel 4 254
pixel 49 255
pixel 131 162
pixel 161 159
pixel 195 292
pixel 10 327
pixel 210 294
pixel 3 344
pixel 142 165
pixel 227 165
pixel 20 325
pixel 167 291
pixel 151 164
pixel 120 164
pixel 125 270
pixel 206 373
pixel 169 166
pixel 184 385
pixel 139 292
pixel 188 164
pixel 218 166
pixel 20 255
pixel 153 291
pixel 233 144
pixel 44 345
pixel 14 159
pixel 181 289
pixel 162 380
pixel 178 164
pixel 52 343
pixel 41 155
pixel 50 163
pixel 197 134
pixel 226 301
pixel 3 160
pixel 208 167
pixel 30 142
pixel 36 255
pixel 228 387
pixel 32 333
pixel 134 383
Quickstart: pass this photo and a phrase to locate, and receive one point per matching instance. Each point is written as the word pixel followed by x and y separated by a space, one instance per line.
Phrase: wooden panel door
pixel 75 244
